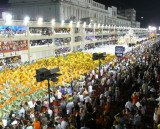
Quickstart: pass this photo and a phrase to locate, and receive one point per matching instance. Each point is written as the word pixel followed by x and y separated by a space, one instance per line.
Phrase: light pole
pixel 45 74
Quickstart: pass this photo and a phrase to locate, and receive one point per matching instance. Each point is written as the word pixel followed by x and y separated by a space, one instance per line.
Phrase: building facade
pixel 67 10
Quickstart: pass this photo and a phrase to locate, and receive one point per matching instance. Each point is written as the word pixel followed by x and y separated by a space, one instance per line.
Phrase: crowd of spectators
pixel 41 42
pixel 89 46
pixel 62 30
pixel 93 100
pixel 14 45
pixel 62 51
pixel 42 31
pixel 89 31
pixel 62 41
pixel 8 32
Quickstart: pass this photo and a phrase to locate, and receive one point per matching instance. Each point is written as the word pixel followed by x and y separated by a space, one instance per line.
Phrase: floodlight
pixel 40 20
pixel 26 19
pixel 62 22
pixel 53 21
pixel 84 24
pixel 8 17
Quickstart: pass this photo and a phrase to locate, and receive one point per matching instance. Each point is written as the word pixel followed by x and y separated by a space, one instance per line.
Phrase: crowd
pixel 14 45
pixel 62 30
pixel 8 32
pixel 62 41
pixel 89 46
pixel 91 101
pixel 89 31
pixel 62 51
pixel 42 31
pixel 41 42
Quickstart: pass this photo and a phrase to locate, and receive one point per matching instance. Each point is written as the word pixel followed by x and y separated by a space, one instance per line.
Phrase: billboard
pixel 119 51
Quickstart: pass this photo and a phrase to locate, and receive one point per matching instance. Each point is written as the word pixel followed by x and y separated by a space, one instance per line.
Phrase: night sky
pixel 148 9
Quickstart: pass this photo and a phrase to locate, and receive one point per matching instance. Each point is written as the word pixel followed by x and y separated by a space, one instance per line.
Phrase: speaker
pixel 52 71
pixel 95 56
pixel 40 71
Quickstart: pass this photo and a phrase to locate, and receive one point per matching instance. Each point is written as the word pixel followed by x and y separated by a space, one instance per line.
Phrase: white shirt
pixel 64 125
pixel 90 88
pixel 59 96
pixel 92 81
pixel 129 105
pixel 87 99
pixel 81 98
pixel 108 81
pixel 69 107
pixel 138 104
pixel 155 116
pixel 21 111
pixel 31 105
pixel 93 71
pixel 50 112
pixel 152 90
pixel 101 72
pixel 96 77
pixel 106 94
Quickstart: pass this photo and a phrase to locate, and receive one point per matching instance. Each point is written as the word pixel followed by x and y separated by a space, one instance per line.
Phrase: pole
pixel 49 91
pixel 99 68
pixel 29 46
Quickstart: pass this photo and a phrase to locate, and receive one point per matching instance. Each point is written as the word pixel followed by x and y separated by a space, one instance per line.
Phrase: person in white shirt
pixel 108 82
pixel 93 72
pixel 101 72
pixel 81 99
pixel 69 107
pixel 87 99
pixel 106 93
pixel 153 90
pixel 155 116
pixel 64 124
pixel 129 105
pixel 90 90
pixel 50 112
pixel 21 111
pixel 59 95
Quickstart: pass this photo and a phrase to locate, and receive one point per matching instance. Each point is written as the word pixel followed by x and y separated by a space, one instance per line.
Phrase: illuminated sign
pixel 119 50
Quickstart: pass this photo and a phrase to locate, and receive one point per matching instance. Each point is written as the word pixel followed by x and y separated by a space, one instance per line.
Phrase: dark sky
pixel 149 9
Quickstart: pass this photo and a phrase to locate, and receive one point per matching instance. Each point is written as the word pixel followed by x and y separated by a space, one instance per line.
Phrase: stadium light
pixel 84 24
pixel 62 22
pixel 53 21
pixel 78 23
pixel 8 17
pixel 71 22
pixel 26 19
pixel 40 20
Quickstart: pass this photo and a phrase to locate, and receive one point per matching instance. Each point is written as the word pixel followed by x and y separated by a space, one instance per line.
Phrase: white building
pixel 66 10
